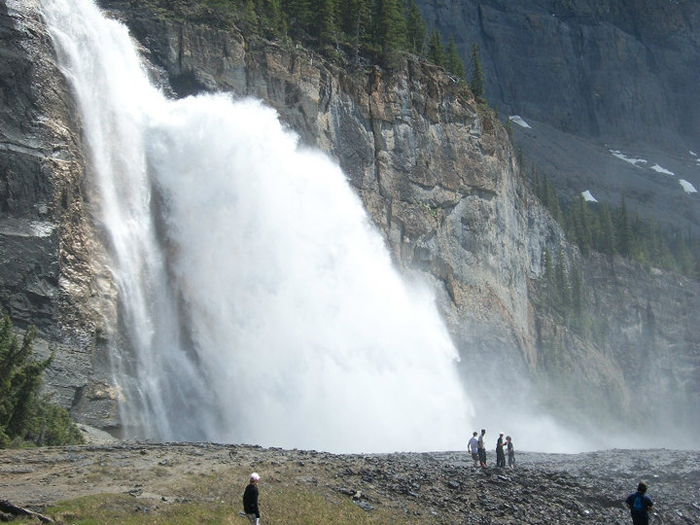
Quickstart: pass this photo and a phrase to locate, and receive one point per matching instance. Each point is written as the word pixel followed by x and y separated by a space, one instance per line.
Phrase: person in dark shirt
pixel 500 456
pixel 250 500
pixel 640 505
pixel 481 447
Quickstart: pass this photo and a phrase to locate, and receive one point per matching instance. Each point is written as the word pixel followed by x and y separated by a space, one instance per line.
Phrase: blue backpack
pixel 638 503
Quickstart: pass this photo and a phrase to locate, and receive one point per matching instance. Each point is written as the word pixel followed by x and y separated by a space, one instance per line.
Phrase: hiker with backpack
pixel 640 505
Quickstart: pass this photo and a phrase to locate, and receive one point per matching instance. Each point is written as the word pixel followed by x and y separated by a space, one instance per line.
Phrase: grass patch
pixel 127 510
pixel 279 505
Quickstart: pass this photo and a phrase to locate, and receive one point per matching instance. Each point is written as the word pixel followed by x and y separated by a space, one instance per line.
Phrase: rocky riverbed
pixel 438 487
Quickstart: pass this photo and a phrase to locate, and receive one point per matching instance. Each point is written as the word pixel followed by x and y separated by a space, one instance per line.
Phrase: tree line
pixel 376 28
pixel 597 227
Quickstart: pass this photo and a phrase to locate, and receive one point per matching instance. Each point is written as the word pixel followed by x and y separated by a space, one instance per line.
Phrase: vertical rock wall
pixel 53 271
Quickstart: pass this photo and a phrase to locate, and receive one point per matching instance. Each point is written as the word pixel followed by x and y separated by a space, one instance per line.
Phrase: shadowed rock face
pixel 52 268
pixel 437 175
pixel 590 76
pixel 621 70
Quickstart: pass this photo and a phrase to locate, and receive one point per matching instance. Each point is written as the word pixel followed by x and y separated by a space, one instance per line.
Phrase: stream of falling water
pixel 259 303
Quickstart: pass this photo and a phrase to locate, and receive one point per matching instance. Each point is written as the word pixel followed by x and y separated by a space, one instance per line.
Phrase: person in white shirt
pixel 473 448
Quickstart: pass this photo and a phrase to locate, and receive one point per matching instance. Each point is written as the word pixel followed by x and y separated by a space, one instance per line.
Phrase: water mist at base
pixel 261 305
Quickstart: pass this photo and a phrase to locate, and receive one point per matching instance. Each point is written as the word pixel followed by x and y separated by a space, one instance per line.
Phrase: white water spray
pixel 260 303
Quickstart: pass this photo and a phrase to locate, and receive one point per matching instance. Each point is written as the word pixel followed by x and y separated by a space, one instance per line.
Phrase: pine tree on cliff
pixel 436 51
pixel 24 417
pixel 271 16
pixel 249 15
pixel 453 62
pixel 323 22
pixel 624 230
pixel 477 77
pixel 581 225
pixel 299 15
pixel 389 26
pixel 561 280
pixel 606 242
pixel 354 19
pixel 577 295
pixel 416 29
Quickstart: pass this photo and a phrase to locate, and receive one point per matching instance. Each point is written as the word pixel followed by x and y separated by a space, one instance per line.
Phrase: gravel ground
pixel 443 487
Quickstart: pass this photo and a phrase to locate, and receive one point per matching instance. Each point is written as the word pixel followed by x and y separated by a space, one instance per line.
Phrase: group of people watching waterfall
pixel 504 449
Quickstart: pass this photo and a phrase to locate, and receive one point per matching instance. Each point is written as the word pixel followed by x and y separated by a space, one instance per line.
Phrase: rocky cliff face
pixel 53 271
pixel 611 69
pixel 436 173
pixel 590 76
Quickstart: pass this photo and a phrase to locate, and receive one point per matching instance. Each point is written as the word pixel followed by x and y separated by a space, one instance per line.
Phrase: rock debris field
pixel 439 487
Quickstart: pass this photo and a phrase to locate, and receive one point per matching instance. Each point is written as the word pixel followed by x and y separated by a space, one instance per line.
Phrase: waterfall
pixel 259 303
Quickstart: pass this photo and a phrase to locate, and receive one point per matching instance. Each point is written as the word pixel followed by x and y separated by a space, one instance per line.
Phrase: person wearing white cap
pixel 250 500
pixel 500 456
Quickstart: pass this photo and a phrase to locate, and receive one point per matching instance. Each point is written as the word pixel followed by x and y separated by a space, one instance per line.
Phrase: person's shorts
pixel 475 456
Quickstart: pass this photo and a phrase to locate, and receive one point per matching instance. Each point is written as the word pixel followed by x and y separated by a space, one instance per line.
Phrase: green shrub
pixel 25 417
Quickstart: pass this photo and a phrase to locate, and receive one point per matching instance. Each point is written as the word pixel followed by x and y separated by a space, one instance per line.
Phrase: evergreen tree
pixel 436 51
pixel 561 279
pixel 606 242
pixel 389 25
pixel 249 15
pixel 535 181
pixel 477 73
pixel 416 29
pixel 23 415
pixel 577 294
pixel 323 21
pixel 354 19
pixel 453 62
pixel 624 230
pixel 582 225
pixel 299 15
pixel 271 16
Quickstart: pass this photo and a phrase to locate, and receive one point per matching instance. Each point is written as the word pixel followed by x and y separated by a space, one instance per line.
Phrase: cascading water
pixel 260 304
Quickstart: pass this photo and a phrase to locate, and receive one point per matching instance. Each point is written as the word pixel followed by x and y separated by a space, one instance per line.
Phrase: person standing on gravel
pixel 640 505
pixel 500 456
pixel 473 448
pixel 481 447
pixel 510 452
pixel 250 500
